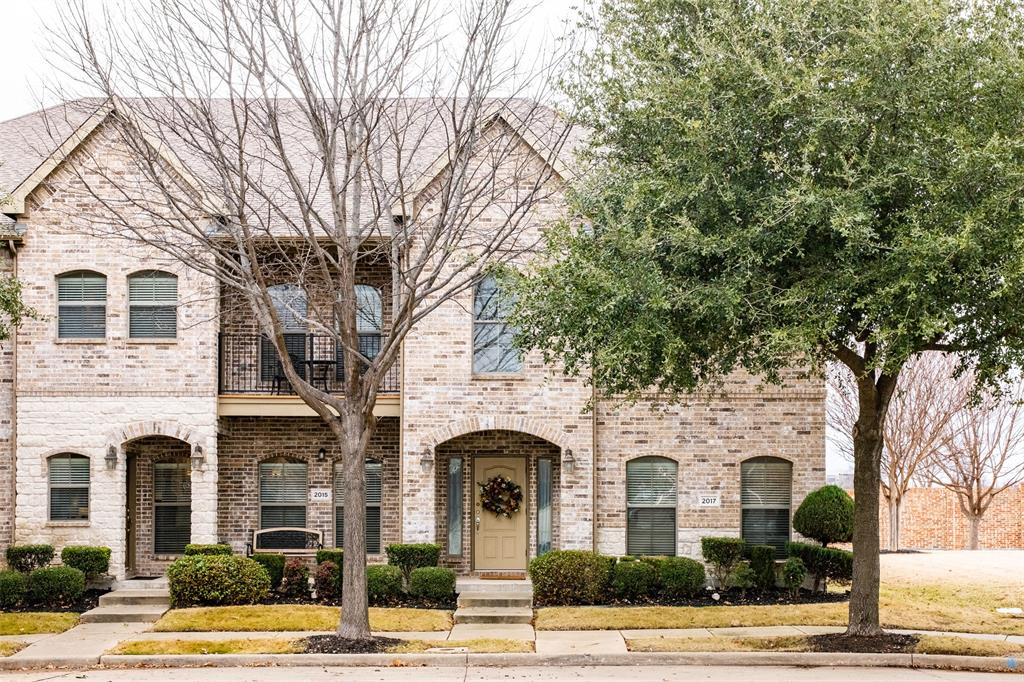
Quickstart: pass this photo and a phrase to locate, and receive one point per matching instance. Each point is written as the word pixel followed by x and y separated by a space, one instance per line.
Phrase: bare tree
pixel 297 140
pixel 983 455
pixel 927 399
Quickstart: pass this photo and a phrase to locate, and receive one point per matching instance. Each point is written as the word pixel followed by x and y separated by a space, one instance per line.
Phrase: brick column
pixel 418 522
pixel 204 494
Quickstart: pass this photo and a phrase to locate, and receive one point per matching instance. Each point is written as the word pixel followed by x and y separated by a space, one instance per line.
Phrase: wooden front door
pixel 499 543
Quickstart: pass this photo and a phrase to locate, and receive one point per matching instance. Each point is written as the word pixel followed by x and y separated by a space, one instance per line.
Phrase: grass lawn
pixel 958 646
pixel 8 648
pixel 963 608
pixel 35 623
pixel 286 617
pixel 291 646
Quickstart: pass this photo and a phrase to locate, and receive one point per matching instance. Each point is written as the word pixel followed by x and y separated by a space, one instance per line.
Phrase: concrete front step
pixel 478 585
pixel 135 597
pixel 495 599
pixel 479 614
pixel 141 613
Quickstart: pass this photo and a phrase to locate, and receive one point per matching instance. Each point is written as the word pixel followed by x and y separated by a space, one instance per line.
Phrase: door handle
pixel 478 523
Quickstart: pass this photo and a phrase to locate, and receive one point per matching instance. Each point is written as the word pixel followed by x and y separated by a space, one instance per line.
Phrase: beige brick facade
pixel 146 401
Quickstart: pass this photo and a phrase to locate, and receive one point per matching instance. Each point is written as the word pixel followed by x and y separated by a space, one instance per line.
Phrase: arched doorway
pixel 158 520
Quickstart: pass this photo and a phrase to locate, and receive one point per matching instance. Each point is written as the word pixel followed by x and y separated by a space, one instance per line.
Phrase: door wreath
pixel 501 495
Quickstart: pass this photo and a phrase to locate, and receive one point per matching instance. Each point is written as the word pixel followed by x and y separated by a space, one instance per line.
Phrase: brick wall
pixel 6 424
pixel 246 441
pixel 930 518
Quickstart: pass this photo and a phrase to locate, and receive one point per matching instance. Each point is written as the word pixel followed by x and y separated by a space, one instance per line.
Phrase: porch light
pixel 568 461
pixel 198 457
pixel 321 454
pixel 111 458
pixel 427 461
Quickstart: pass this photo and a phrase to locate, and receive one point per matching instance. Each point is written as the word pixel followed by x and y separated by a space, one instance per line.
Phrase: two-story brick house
pixel 143 410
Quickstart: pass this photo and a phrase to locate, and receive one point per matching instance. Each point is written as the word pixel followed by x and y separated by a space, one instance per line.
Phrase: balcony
pixel 251 378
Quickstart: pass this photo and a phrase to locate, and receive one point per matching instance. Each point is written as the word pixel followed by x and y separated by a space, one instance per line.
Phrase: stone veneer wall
pixel 246 441
pixel 143 454
pixel 493 444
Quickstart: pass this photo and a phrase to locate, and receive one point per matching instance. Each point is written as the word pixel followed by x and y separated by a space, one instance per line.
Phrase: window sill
pixel 86 342
pixel 498 376
pixel 166 557
pixel 68 524
pixel 152 342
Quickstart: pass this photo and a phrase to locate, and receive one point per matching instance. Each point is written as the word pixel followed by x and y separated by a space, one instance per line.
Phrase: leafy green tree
pixel 825 515
pixel 786 184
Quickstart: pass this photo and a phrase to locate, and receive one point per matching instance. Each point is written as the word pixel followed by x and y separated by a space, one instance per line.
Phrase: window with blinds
pixel 454 512
pixel 651 497
pixel 172 507
pixel 373 472
pixel 493 350
pixel 69 487
pixel 765 497
pixel 292 309
pixel 544 483
pixel 81 305
pixel 153 305
pixel 283 491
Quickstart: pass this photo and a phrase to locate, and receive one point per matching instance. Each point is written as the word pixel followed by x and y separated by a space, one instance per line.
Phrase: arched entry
pixel 158 514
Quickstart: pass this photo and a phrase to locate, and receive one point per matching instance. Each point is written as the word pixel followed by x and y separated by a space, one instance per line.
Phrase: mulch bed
pixel 735 598
pixel 89 600
pixel 877 644
pixel 333 644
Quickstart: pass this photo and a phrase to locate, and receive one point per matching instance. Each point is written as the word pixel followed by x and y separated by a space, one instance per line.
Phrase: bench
pixel 288 541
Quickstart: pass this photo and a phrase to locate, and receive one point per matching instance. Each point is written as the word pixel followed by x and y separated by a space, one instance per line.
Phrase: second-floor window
pixel 292 308
pixel 81 305
pixel 153 305
pixel 369 319
pixel 493 352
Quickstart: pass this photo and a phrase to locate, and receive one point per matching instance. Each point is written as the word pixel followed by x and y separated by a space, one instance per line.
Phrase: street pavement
pixel 525 674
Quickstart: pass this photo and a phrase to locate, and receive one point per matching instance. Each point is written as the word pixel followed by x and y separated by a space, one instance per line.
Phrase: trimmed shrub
pixel 27 558
pixel 335 556
pixel 409 557
pixel 762 562
pixel 825 515
pixel 432 584
pixel 383 584
pixel 722 554
pixel 680 578
pixel 216 580
pixel 295 581
pixel 207 550
pixel 634 580
pixel 13 586
pixel 92 561
pixel 742 577
pixel 824 563
pixel 55 586
pixel 273 564
pixel 570 576
pixel 327 580
pixel 793 575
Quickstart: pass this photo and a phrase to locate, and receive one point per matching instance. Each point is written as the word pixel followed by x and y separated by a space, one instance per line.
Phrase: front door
pixel 499 543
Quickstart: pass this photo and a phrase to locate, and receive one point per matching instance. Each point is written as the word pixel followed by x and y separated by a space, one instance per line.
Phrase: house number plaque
pixel 709 500
pixel 319 494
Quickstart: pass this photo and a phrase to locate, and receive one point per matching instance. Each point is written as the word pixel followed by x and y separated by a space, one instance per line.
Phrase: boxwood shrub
pixel 273 564
pixel 408 557
pixel 634 580
pixel 825 515
pixel 55 586
pixel 793 575
pixel 216 580
pixel 824 563
pixel 383 585
pixel 327 580
pixel 13 586
pixel 570 576
pixel 722 555
pixel 681 578
pixel 337 556
pixel 207 550
pixel 762 562
pixel 432 584
pixel 92 561
pixel 27 558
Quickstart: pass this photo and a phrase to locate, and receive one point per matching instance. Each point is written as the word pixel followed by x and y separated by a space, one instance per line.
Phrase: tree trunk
pixel 353 435
pixel 974 525
pixel 894 523
pixel 867 454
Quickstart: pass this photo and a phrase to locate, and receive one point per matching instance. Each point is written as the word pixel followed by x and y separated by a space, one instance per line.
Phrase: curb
pixel 40 662
pixel 919 661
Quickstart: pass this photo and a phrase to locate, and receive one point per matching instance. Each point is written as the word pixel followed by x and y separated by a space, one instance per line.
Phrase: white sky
pixel 26 62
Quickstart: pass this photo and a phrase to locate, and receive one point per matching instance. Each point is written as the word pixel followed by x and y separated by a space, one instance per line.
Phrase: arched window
pixel 153 305
pixel 292 309
pixel 374 489
pixel 69 487
pixel 283 493
pixel 81 305
pixel 651 497
pixel 766 494
pixel 493 351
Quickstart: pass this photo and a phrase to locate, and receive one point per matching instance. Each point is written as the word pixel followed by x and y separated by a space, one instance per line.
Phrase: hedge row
pixel 50 586
pixel 90 560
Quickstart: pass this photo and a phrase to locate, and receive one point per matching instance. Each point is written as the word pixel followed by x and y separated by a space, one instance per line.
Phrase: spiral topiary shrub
pixel 570 576
pixel 92 561
pixel 825 515
pixel 216 580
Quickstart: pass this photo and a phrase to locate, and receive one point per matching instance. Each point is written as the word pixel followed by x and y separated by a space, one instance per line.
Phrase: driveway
pixel 983 567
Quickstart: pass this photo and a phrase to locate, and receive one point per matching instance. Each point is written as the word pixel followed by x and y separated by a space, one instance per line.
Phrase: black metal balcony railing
pixel 250 364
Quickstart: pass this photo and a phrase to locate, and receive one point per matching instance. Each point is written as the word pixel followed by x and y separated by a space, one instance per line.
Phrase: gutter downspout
pixel 14 406
pixel 593 462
